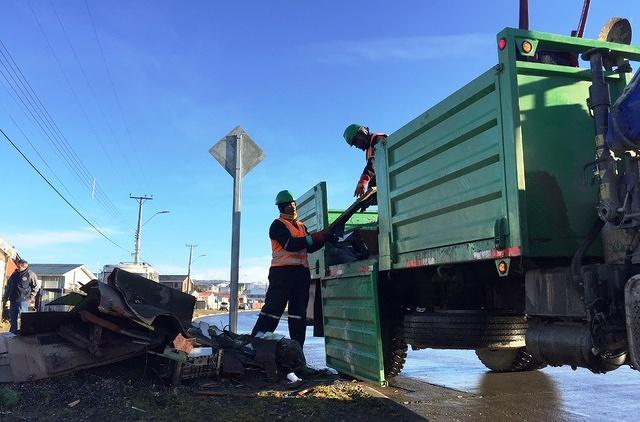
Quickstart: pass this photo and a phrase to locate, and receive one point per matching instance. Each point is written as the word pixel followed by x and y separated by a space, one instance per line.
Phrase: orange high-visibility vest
pixel 375 137
pixel 281 257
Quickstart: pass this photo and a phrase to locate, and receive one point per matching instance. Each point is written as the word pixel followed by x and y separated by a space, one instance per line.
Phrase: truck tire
pixel 395 355
pixel 464 330
pixel 508 360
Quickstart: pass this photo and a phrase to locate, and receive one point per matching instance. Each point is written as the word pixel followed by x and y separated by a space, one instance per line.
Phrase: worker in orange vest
pixel 289 276
pixel 360 137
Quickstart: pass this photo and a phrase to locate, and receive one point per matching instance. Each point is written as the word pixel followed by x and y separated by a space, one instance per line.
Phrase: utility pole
pixel 189 283
pixel 140 199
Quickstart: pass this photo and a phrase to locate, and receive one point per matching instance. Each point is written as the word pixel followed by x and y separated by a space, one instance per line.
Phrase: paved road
pixel 549 394
pixel 454 385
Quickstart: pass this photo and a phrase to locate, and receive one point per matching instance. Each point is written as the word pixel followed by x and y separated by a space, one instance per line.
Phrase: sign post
pixel 238 154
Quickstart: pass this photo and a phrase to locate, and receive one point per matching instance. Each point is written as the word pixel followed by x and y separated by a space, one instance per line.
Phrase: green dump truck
pixel 502 225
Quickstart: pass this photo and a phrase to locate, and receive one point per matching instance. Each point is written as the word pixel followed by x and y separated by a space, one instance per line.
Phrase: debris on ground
pixel 112 392
pixel 130 315
pixel 108 322
pixel 168 367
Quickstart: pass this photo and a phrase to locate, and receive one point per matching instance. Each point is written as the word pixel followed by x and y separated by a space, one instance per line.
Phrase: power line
pixel 32 98
pixel 36 150
pixel 115 93
pixel 93 92
pixel 37 121
pixel 40 155
pixel 74 93
pixel 58 192
pixel 28 108
pixel 47 125
pixel 55 129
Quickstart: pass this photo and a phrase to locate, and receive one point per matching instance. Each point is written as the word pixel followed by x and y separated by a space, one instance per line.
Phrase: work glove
pixel 361 187
pixel 320 237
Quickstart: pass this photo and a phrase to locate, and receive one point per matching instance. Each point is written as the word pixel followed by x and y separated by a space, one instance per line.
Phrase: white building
pixel 206 300
pixel 59 279
pixel 258 293
pixel 143 269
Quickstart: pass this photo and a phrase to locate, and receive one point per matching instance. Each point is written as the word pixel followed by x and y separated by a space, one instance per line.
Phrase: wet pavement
pixel 454 385
pixel 548 394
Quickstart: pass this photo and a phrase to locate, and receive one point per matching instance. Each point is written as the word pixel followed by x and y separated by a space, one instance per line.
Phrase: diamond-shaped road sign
pixel 238 154
pixel 225 151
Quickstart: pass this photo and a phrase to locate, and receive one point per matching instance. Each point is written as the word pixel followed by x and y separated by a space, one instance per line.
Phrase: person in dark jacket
pixel 21 288
pixel 360 137
pixel 289 276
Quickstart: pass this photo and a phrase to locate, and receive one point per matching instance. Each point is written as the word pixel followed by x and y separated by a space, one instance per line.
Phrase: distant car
pixel 224 306
pixel 244 306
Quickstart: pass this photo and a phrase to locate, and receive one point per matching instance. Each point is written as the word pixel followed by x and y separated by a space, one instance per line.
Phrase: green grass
pixel 8 398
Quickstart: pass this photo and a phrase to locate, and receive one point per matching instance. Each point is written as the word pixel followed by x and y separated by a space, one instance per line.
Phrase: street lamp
pixel 159 212
pixel 193 262
pixel 136 255
pixel 189 282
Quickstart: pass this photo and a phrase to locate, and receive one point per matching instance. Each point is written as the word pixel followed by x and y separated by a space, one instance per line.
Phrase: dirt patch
pixel 130 391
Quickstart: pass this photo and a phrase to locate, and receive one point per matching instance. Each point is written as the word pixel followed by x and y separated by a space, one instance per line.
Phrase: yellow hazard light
pixel 502 267
pixel 526 47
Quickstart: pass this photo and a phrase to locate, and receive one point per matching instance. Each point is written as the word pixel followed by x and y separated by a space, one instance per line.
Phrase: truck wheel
pixel 508 360
pixel 395 354
pixel 464 330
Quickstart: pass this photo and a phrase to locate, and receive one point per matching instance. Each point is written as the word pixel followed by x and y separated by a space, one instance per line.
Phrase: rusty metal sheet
pixel 150 300
pixel 29 359
pixel 111 302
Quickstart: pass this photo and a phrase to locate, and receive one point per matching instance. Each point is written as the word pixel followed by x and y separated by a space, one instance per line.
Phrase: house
pixel 59 279
pixel 208 284
pixel 256 292
pixel 222 288
pixel 178 282
pixel 206 300
pixel 7 266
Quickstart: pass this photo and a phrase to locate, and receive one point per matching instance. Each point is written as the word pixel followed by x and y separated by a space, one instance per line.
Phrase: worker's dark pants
pixel 15 309
pixel 286 284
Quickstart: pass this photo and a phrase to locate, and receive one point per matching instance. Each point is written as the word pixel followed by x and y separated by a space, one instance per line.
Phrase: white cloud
pixel 252 270
pixel 48 238
pixel 404 49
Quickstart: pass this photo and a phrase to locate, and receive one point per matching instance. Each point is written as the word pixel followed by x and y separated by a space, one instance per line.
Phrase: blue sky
pixel 136 92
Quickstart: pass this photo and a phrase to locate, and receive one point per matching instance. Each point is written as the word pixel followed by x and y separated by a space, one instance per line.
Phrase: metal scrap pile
pixel 209 351
pixel 131 315
pixel 108 322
